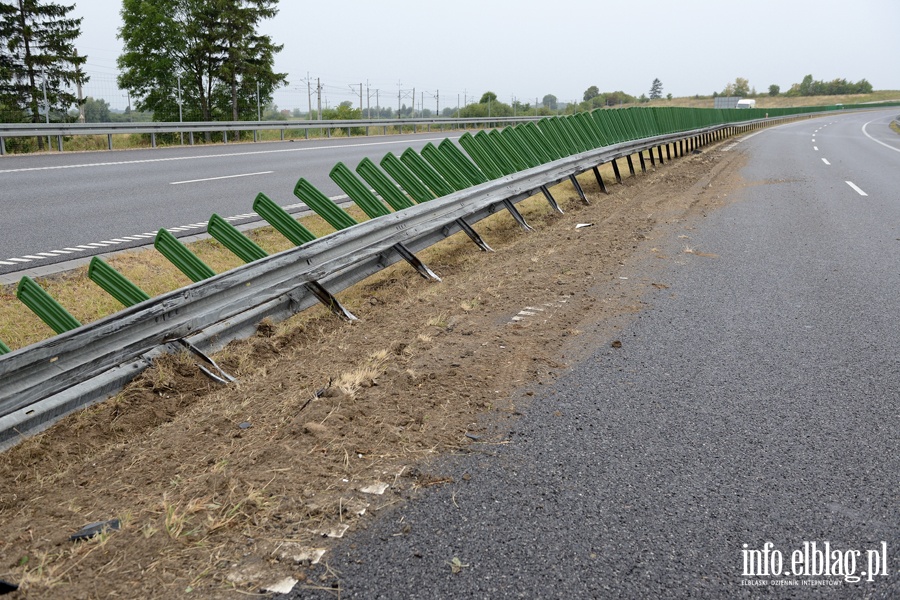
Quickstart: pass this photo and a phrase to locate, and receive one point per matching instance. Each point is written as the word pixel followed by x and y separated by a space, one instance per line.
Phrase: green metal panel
pixel 537 136
pixel 406 178
pixel 575 134
pixel 461 162
pixel 483 157
pixel 358 192
pixel 426 173
pixel 548 129
pixel 607 125
pixel 4 349
pixel 517 136
pixel 245 248
pixel 44 306
pixel 589 130
pixel 114 283
pixel 494 140
pixel 320 204
pixel 382 184
pixel 181 257
pixel 281 220
pixel 523 150
pixel 444 167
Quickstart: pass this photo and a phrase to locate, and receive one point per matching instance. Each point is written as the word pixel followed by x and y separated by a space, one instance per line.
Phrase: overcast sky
pixel 528 49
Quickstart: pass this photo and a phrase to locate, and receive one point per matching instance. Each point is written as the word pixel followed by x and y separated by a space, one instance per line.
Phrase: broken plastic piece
pixel 580 225
pixel 245 425
pixel 92 529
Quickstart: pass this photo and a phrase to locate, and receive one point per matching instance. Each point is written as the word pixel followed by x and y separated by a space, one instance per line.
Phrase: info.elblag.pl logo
pixel 813 563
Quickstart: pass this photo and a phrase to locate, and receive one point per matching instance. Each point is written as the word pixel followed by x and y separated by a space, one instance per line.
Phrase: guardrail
pixel 45 381
pixel 62 130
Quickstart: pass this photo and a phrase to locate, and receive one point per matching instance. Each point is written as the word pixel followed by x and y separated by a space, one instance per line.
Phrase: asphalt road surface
pixel 74 205
pixel 750 417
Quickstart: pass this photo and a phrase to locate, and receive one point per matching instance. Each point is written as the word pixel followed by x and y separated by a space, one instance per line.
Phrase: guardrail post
pixel 191 138
pixel 615 167
pixel 630 165
pixel 152 140
pixel 600 180
pixel 59 142
pixel 659 154
pixel 668 152
pixel 643 164
pixel 2 146
pixel 224 137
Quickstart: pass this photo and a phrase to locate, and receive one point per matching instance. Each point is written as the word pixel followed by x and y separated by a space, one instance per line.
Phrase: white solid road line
pixel 856 188
pixel 825 160
pixel 223 177
pixel 866 133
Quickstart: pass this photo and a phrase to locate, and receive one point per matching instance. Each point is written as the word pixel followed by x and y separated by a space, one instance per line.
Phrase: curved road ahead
pixel 75 205
pixel 753 411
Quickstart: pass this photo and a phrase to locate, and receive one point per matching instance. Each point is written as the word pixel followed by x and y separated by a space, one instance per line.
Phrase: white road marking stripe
pixel 223 177
pixel 46 254
pixel 825 160
pixel 894 148
pixel 3 262
pixel 109 242
pixel 86 247
pixel 60 252
pixel 32 257
pixel 19 260
pixel 856 187
pixel 75 249
pixel 816 148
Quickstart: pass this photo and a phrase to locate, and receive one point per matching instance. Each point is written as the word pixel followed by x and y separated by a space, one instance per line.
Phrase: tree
pixel 96 111
pixel 38 56
pixel 774 90
pixel 656 89
pixel 208 48
pixel 591 93
pixel 488 97
pixel 550 101
pixel 740 87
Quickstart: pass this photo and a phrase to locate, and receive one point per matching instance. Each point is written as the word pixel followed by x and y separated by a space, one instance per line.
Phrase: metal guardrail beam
pixel 67 129
pixel 51 378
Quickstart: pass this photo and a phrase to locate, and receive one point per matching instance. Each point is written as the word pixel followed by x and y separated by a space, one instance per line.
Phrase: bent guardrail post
pixel 248 251
pixel 44 306
pixel 337 218
pixel 408 181
pixel 115 284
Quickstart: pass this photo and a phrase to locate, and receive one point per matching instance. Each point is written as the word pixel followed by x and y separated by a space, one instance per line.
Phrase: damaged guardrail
pixel 45 381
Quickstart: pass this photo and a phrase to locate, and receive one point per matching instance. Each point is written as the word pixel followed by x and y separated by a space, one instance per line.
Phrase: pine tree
pixel 656 90
pixel 38 55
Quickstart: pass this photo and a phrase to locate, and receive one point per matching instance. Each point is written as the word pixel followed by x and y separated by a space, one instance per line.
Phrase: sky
pixel 455 51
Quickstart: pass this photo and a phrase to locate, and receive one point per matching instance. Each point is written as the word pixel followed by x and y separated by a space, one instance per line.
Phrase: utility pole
pixel 398 98
pixel 308 97
pixel 437 103
pixel 319 92
pixel 180 112
pixel 360 99
pixel 258 109
pixel 414 103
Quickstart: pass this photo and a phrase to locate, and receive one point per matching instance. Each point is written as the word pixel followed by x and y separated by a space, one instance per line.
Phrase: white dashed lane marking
pixel 856 188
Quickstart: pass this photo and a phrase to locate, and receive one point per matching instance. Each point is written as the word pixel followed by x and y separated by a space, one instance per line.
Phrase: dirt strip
pixel 222 491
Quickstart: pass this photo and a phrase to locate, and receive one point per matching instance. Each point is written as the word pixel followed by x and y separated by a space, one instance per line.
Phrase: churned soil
pixel 225 490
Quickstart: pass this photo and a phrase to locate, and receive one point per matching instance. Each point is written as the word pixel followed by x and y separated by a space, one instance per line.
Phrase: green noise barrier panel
pixel 281 220
pixel 114 283
pixel 502 158
pixel 462 162
pixel 485 160
pixel 320 204
pixel 178 254
pixel 510 151
pixel 4 349
pixel 44 306
pixel 406 178
pixel 358 192
pixel 426 173
pixel 228 235
pixel 382 184
pixel 445 168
